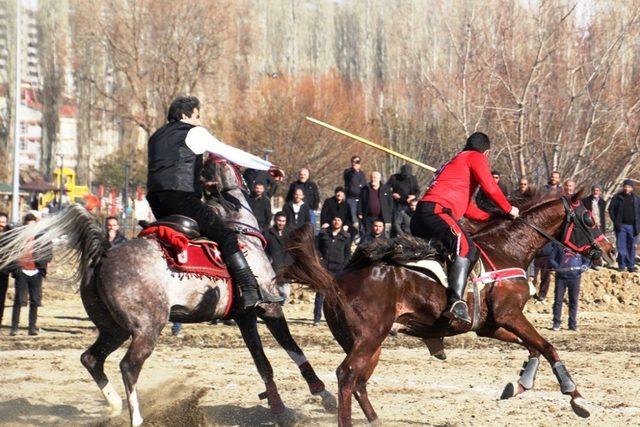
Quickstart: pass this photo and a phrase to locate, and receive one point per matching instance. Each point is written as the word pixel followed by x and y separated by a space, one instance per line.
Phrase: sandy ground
pixel 208 378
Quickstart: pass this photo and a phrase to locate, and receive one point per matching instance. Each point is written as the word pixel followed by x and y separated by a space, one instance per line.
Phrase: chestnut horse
pixel 370 296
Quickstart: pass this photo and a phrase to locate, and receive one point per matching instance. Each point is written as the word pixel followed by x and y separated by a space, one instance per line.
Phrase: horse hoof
pixel 287 418
pixel 508 392
pixel 581 407
pixel 329 402
pixel 115 411
pixel 441 355
pixel 376 423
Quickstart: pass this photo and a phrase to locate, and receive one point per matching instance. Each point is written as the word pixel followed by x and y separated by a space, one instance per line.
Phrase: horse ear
pixel 578 195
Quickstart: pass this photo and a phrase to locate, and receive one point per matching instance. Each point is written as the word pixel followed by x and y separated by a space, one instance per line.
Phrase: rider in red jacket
pixel 448 199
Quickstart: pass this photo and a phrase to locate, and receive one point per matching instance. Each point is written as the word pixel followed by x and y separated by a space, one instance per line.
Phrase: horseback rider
pixel 174 186
pixel 448 199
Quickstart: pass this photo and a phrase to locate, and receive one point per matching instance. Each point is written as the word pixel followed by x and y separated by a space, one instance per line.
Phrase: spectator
pixel 261 206
pixel 402 222
pixel 404 188
pixel 254 176
pixel 28 276
pixel 569 187
pixel 310 190
pixel 4 275
pixel 624 210
pixel 354 181
pixel 297 211
pixel 554 181
pixel 277 249
pixel 334 245
pixel 377 232
pixel 141 208
pixel 113 232
pixel 336 206
pixel 568 267
pixel 542 268
pixel 484 202
pixel 523 188
pixel 596 204
pixel 375 203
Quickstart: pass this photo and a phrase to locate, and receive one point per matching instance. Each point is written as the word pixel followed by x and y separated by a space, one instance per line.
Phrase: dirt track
pixel 209 378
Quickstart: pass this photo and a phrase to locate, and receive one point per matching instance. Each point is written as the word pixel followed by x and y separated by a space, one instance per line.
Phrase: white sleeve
pixel 200 140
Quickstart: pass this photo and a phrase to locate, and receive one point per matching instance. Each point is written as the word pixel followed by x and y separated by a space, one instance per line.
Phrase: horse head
pixel 220 175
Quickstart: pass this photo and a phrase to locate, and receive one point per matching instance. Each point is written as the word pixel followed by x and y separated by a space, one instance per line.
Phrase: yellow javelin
pixel 371 144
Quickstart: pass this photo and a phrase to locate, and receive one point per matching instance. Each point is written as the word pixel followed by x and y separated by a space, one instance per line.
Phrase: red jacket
pixel 455 183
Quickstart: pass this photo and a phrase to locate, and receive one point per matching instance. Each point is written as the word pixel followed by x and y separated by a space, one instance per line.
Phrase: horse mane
pixel 400 250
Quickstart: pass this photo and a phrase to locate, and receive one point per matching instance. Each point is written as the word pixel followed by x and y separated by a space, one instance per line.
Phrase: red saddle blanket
pixel 198 256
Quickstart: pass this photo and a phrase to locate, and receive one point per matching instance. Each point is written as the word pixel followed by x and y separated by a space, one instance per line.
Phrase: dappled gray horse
pixel 129 292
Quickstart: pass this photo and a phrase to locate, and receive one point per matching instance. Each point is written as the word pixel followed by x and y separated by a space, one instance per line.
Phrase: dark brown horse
pixel 371 296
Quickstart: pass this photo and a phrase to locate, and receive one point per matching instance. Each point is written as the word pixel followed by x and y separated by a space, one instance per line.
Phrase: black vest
pixel 172 165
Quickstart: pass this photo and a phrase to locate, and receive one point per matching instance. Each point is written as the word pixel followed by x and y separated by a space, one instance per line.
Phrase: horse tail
pixel 84 240
pixel 306 267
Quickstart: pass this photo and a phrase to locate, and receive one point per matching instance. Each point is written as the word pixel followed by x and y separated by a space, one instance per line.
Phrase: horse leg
pixel 141 347
pixel 436 347
pixel 529 369
pixel 249 330
pixel 93 360
pixel 361 394
pixel 278 327
pixel 356 368
pixel 521 327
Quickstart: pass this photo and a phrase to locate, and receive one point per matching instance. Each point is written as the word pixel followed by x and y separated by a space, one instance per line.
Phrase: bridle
pixel 583 221
pixel 238 226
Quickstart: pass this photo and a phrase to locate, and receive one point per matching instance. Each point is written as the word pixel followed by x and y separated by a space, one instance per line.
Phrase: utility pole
pixel 15 197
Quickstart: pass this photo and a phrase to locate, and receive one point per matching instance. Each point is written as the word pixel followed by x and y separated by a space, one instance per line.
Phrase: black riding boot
pixel 244 279
pixel 457 279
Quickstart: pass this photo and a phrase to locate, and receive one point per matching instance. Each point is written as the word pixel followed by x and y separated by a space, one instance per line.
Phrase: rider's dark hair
pixel 182 105
pixel 478 141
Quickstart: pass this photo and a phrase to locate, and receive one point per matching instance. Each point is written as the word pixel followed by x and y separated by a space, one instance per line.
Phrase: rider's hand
pixel 277 173
pixel 514 212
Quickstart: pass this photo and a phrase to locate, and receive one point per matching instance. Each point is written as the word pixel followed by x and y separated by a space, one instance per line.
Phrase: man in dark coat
pixel 624 210
pixel 404 188
pixel 310 190
pixel 596 204
pixel 261 206
pixel 336 206
pixel 29 274
pixel 377 232
pixel 297 211
pixel 334 246
pixel 402 223
pixel 114 236
pixel 375 203
pixel 255 176
pixel 354 181
pixel 484 202
pixel 277 242
pixel 4 275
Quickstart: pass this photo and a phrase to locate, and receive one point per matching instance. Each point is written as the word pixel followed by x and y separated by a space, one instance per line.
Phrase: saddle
pixel 184 249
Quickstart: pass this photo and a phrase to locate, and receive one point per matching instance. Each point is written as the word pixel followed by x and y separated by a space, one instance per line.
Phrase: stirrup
pixel 458 311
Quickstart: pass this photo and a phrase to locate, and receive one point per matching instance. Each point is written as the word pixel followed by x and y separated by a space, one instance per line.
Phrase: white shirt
pixel 200 140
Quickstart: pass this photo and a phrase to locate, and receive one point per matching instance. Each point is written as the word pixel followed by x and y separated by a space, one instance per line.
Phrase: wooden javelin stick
pixel 371 144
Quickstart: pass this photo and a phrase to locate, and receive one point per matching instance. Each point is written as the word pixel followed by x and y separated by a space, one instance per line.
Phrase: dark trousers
pixel 28 288
pixel 433 221
pixel 626 246
pixel 543 269
pixel 317 307
pixel 165 203
pixel 4 283
pixel 573 286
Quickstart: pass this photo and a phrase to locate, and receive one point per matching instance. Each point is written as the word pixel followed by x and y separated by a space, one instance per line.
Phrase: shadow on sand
pixel 22 411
